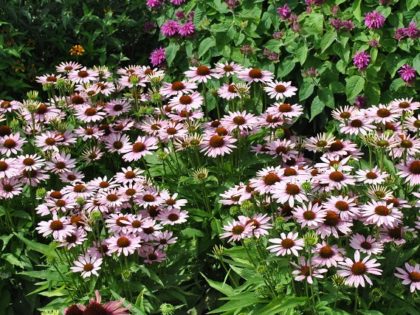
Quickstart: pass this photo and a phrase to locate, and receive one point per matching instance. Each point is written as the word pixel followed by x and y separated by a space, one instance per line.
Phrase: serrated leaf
pixel 357 13
pixel 416 63
pixel 205 45
pixel 301 54
pixel 220 286
pixel 354 85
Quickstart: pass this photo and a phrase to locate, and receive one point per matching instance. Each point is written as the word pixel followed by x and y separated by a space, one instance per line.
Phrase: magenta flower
pixel 407 73
pixel 177 2
pixel 284 12
pixel 154 3
pixel 187 29
pixel 374 20
pixel 170 28
pixel 412 31
pixel 361 60
pixel 157 57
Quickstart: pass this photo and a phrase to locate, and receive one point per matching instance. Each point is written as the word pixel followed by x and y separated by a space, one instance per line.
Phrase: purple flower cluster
pixel 284 12
pixel 361 60
pixel 374 19
pixel 407 32
pixel 407 73
pixel 157 3
pixel 172 28
pixel 157 57
pixel 338 24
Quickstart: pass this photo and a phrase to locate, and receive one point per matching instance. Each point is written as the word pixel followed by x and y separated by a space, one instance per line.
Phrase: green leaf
pixel 220 286
pixel 341 66
pixel 317 107
pixel 326 96
pixel 273 45
pixel 411 4
pixel 192 233
pixel 237 303
pixel 286 67
pixel 301 54
pixel 357 12
pixel 373 93
pixel 281 305
pixel 10 258
pixel 416 63
pixel 314 23
pixel 170 52
pixel 396 84
pixel 205 45
pixel 354 85
pixel 306 90
pixel 327 40
pixel 38 247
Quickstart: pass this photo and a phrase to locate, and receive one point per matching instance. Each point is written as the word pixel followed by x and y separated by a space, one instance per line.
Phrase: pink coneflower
pixel 172 217
pixel 372 176
pixel 141 147
pixel 8 168
pixel 129 175
pixel 116 107
pixel 231 197
pixel 177 88
pixel 149 197
pixel 11 144
pixel 151 255
pixel 361 60
pixel 289 192
pixel 216 145
pixel 357 125
pixel 255 75
pixel 374 20
pixel 10 187
pixel 186 101
pixel 109 308
pixel 123 244
pixel 171 202
pixel 410 171
pixel 307 270
pixel 260 224
pixel 237 230
pixel 172 130
pixel 336 179
pixel 228 91
pixel 405 146
pixel 405 105
pixel 413 123
pixel 366 244
pixel 282 148
pixel 61 163
pixel 394 234
pixel 381 214
pixel 59 228
pixel 280 90
pixel 286 110
pixel 333 224
pixel 288 244
pixel 383 114
pixel 104 88
pixel 201 74
pixel 87 265
pixel 310 215
pixel 227 69
pixel 266 179
pixel 345 206
pixel 242 121
pixel 157 57
pixel 48 79
pixel 328 255
pixel 410 276
pixel 407 73
pixel 66 67
pixel 320 143
pixel 48 141
pixel 187 29
pixel 88 113
pixel 356 272
pixel 83 75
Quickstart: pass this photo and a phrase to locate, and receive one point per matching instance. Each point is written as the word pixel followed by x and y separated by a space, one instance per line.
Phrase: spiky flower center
pixel 123 241
pixel 216 141
pixel 255 73
pixel 287 243
pixel 358 268
pixel 271 178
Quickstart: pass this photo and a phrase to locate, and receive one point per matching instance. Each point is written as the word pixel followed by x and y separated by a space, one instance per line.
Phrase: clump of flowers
pixel 374 20
pixel 361 60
